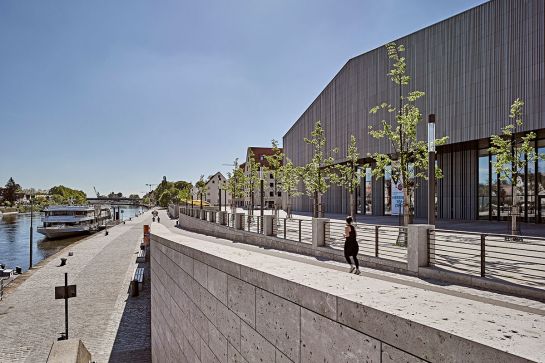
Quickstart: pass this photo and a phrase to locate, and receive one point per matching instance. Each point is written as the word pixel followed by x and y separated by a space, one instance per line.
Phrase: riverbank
pixel 101 266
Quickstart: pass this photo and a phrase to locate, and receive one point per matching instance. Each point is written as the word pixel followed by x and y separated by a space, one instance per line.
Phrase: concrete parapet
pixel 318 231
pixel 69 351
pixel 239 220
pixel 268 225
pixel 417 246
pixel 212 302
pixel 222 218
pixel 212 216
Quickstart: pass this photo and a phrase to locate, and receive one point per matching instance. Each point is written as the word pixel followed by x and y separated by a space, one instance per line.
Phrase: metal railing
pixel 253 224
pixel 293 229
pixel 388 242
pixel 518 259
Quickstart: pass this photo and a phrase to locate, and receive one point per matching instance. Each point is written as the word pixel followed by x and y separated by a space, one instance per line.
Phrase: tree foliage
pixel 165 198
pixel 236 180
pixel 9 192
pixel 513 150
pixel 289 178
pixel 316 173
pixel 64 195
pixel 409 153
pixel 348 175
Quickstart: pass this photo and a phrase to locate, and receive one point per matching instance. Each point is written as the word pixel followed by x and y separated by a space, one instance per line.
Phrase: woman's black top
pixel 350 244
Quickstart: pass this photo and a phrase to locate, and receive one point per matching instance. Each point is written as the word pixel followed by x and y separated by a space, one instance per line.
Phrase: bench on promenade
pixel 137 281
pixel 141 258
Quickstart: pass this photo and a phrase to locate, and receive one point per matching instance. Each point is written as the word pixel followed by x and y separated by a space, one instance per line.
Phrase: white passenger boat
pixel 62 221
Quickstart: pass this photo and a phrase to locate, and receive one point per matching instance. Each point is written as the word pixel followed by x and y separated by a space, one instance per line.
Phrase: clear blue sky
pixel 116 94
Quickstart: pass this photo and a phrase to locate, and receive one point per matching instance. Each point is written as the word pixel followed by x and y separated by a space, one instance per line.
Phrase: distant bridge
pixel 116 200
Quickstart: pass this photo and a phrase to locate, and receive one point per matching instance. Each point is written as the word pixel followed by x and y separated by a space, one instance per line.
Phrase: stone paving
pixel 108 322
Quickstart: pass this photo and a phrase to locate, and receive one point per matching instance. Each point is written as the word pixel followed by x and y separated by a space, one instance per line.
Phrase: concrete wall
pixel 207 308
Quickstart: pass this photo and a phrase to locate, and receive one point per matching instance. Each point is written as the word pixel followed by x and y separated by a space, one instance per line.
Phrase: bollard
pixel 134 288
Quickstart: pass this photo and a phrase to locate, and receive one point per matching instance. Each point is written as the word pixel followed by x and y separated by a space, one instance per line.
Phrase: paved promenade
pixel 112 327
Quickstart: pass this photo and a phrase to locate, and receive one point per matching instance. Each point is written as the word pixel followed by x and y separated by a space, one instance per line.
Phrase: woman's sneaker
pixel 351 269
pixel 357 271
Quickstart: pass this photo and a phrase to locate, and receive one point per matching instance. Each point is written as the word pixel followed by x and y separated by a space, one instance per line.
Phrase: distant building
pixel 471 67
pixel 213 185
pixel 272 192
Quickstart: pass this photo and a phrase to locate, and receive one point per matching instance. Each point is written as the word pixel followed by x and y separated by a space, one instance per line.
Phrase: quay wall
pixel 209 306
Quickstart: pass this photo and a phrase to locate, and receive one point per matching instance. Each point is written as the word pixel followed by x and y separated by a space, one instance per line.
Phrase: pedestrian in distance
pixel 351 247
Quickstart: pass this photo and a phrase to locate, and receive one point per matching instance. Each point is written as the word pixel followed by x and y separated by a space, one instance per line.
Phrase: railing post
pixel 483 254
pixel 319 232
pixel 417 246
pixel 221 217
pixel 285 228
pixel 239 221
pixel 299 230
pixel 268 225
pixel 376 241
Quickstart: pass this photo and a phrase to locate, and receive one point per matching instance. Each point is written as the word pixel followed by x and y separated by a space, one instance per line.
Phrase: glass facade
pixel 388 191
pixel 495 195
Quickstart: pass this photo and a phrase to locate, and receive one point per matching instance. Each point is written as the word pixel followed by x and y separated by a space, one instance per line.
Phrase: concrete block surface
pixel 323 340
pixel 254 347
pixel 279 321
pixel 241 299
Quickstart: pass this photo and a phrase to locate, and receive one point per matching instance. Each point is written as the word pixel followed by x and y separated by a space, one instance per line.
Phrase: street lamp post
pixel 261 195
pixel 31 231
pixel 431 169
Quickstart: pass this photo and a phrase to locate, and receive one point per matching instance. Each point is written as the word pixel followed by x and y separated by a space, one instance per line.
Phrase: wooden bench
pixel 141 258
pixel 137 281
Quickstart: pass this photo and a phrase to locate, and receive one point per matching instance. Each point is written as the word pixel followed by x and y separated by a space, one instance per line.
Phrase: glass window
pixel 484 187
pixel 388 190
pixel 540 182
pixel 368 191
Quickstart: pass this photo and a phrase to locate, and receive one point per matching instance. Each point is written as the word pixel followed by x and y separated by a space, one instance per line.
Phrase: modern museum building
pixel 471 67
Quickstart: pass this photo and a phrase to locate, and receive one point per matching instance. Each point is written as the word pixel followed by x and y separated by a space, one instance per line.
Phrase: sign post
pixel 65 292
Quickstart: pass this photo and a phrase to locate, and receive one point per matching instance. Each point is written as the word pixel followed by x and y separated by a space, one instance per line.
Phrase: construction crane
pixel 97 193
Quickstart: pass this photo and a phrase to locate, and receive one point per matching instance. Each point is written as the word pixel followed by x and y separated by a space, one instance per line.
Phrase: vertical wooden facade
pixel 471 67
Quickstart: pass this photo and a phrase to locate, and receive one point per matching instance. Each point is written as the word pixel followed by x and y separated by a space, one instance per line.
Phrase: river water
pixel 15 236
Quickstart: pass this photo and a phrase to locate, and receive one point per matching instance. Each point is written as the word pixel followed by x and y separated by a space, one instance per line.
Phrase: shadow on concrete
pixel 133 340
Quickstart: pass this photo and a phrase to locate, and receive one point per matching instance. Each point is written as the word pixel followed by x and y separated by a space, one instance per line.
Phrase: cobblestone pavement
pixel 101 315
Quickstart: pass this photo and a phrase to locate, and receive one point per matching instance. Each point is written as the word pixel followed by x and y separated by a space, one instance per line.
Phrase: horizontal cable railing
pixel 518 259
pixel 253 224
pixel 299 230
pixel 388 242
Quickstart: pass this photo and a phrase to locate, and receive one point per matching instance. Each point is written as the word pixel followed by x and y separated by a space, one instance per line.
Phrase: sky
pixel 118 94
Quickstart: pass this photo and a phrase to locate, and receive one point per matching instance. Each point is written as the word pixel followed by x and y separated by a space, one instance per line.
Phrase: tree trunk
pixel 407 217
pixel 315 205
pixel 515 230
pixel 353 204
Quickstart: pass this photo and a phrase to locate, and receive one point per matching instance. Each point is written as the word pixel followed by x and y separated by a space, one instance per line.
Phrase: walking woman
pixel 351 247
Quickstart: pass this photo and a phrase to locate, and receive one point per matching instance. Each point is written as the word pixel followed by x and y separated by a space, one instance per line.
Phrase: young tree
pixel 252 179
pixel 316 173
pixel 514 150
pixel 289 176
pixel 274 166
pixel 235 184
pixel 349 174
pixel 409 156
pixel 202 188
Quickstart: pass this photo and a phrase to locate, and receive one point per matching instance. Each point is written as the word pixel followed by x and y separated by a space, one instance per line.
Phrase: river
pixel 15 236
